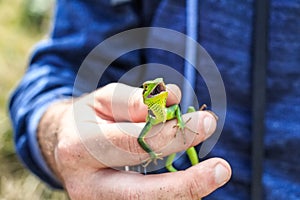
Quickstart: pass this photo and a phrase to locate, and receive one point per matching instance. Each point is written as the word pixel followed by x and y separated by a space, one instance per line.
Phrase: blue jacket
pixel 225 30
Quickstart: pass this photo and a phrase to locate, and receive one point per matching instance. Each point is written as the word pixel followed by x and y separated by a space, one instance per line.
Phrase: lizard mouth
pixel 157 90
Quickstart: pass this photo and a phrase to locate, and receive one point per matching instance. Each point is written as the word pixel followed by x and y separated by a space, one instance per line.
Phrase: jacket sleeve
pixel 78 27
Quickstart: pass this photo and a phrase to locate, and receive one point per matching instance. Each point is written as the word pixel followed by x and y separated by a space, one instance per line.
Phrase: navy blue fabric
pixel 225 31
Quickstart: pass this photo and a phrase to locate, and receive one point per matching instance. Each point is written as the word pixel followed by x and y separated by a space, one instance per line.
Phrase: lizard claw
pixel 182 126
pixel 153 157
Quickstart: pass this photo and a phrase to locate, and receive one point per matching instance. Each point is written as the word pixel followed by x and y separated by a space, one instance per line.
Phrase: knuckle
pixel 194 188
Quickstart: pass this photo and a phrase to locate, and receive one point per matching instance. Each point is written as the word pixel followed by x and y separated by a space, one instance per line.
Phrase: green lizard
pixel 155 97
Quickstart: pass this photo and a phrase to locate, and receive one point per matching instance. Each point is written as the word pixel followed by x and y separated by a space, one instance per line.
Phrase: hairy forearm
pixel 47 133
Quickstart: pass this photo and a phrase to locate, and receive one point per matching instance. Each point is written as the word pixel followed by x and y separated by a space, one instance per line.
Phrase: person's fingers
pixel 193 183
pixel 81 130
pixel 119 140
pixel 119 102
pixel 174 94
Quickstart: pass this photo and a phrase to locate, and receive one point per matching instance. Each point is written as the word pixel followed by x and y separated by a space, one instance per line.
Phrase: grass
pixel 20 29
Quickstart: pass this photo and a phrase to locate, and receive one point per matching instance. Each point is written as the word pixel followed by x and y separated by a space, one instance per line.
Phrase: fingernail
pixel 221 174
pixel 209 125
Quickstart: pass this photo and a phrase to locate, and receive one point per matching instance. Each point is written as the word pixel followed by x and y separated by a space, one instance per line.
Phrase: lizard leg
pixel 193 156
pixel 181 125
pixel 191 152
pixel 141 140
pixel 169 163
pixel 153 157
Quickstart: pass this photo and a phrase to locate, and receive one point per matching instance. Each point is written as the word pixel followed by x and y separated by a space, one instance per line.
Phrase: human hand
pixel 85 139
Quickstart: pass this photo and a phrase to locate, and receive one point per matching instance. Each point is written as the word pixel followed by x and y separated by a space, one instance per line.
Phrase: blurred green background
pixel 22 25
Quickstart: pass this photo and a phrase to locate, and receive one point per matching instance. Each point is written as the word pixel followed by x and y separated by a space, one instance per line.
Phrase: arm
pixel 52 70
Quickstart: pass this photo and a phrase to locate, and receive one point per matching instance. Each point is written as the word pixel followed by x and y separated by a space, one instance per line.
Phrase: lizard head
pixel 154 92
